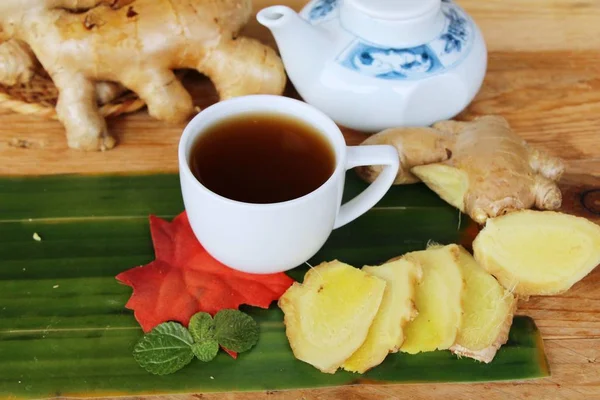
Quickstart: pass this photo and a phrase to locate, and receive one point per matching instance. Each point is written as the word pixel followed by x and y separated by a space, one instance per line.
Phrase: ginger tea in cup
pixel 262 158
pixel 262 179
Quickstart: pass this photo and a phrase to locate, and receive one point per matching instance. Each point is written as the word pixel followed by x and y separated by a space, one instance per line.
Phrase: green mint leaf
pixel 166 349
pixel 235 330
pixel 202 327
pixel 206 350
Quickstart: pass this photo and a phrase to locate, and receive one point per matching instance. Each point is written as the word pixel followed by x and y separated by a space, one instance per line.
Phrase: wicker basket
pixel 38 97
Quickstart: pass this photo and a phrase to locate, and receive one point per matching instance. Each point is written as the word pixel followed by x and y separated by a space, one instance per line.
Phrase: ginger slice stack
pixel 350 318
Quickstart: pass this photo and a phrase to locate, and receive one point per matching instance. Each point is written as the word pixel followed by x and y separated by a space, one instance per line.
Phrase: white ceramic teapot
pixel 375 64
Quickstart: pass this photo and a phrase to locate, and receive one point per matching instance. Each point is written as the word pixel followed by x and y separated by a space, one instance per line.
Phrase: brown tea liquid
pixel 262 158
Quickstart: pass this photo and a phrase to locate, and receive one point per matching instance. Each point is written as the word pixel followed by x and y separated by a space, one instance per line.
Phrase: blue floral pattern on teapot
pixel 321 9
pixel 439 55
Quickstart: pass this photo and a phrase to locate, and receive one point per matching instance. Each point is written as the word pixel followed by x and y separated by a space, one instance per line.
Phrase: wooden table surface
pixel 543 76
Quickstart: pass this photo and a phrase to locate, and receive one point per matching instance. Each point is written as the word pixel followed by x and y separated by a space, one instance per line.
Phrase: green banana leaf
pixel 64 330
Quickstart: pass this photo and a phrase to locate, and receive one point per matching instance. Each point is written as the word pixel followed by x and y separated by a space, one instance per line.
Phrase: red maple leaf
pixel 184 279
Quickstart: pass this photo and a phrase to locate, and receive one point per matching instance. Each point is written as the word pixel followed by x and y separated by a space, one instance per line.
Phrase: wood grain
pixel 543 76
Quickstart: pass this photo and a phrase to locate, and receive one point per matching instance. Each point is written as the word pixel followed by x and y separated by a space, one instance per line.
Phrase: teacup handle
pixel 369 155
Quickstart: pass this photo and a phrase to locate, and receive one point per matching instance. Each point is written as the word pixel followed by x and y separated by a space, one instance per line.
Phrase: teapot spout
pixel 300 44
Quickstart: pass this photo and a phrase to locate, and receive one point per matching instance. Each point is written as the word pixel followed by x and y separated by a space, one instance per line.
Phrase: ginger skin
pixel 138 44
pixel 481 167
pixel 416 146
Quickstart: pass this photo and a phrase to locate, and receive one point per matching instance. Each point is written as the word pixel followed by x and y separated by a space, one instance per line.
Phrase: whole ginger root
pixel 138 44
pixel 480 167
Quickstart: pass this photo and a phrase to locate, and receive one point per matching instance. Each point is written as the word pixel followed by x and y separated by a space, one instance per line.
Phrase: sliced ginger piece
pixel 450 183
pixel 488 310
pixel 538 252
pixel 437 299
pixel 396 310
pixel 328 316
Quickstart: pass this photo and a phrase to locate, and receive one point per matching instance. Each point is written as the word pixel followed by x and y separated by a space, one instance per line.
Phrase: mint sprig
pixel 170 346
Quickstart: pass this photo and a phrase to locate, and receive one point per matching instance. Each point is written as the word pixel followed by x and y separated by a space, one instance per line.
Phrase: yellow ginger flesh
pixel 396 310
pixel 437 299
pixel 538 252
pixel 488 310
pixel 327 317
pixel 449 183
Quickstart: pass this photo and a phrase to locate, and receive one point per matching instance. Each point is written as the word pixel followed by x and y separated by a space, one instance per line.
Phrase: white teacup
pixel 269 238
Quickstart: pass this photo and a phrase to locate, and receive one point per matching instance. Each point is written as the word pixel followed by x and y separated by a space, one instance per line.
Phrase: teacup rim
pixel 189 133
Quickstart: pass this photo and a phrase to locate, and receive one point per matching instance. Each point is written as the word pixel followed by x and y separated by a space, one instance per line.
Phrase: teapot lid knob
pixel 395 9
pixel 393 22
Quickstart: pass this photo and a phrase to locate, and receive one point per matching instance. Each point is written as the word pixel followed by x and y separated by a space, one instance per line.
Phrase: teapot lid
pixel 394 23
pixel 395 9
